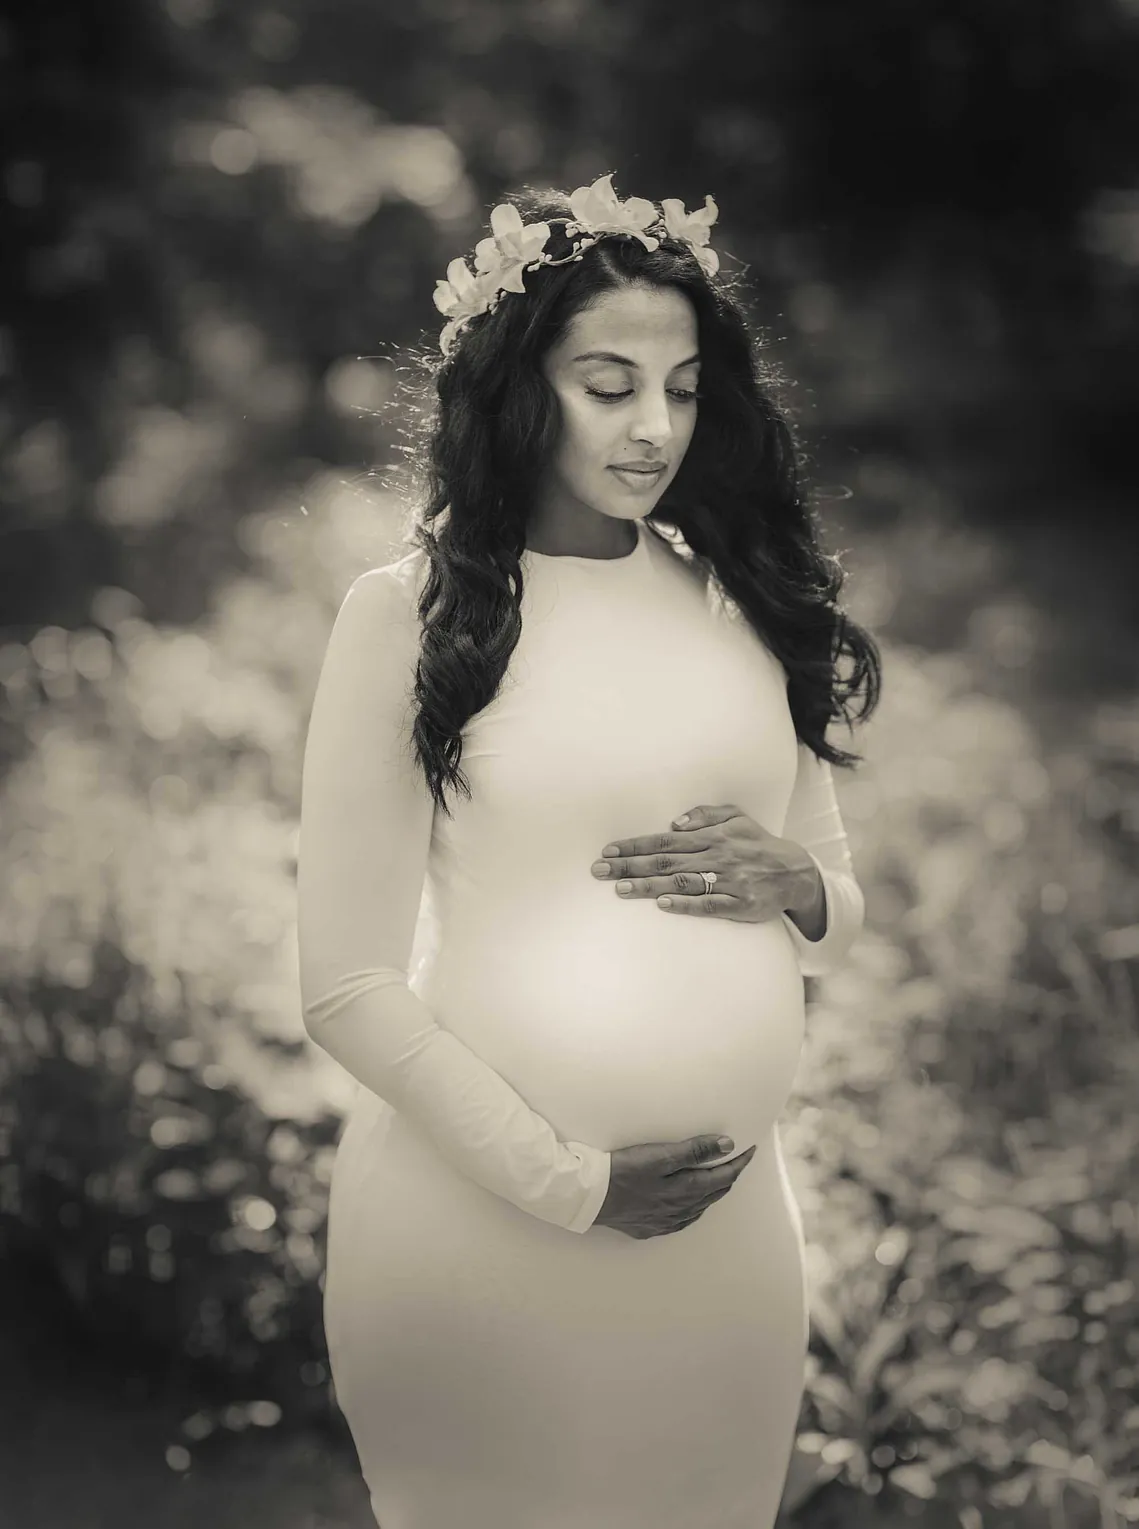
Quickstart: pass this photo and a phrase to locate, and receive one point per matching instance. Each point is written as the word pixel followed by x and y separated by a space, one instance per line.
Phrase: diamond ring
pixel 709 879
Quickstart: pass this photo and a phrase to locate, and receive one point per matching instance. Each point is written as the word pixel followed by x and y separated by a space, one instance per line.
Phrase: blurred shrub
pixel 166 1130
pixel 183 1220
pixel 963 1136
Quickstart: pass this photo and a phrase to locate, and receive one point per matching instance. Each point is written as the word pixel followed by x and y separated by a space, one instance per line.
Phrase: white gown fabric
pixel 502 1361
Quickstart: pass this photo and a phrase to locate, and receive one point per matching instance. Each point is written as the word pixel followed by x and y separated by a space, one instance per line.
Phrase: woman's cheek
pixel 590 447
pixel 584 430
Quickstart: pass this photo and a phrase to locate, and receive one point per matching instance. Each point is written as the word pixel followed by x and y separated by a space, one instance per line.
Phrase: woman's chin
pixel 630 505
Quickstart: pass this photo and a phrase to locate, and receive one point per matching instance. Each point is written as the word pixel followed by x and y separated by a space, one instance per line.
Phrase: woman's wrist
pixel 807 908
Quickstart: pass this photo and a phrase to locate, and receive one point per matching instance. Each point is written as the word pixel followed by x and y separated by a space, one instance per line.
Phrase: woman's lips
pixel 639 477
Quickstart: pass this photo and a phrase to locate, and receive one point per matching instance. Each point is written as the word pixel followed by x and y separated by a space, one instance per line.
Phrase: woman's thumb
pixel 704 1147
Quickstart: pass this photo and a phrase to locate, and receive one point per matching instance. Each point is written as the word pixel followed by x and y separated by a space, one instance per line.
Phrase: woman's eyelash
pixel 686 395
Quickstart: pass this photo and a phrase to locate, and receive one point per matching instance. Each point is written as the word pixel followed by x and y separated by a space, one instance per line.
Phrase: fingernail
pixel 680 821
pixel 610 849
pixel 624 886
pixel 664 902
pixel 725 1144
pixel 600 868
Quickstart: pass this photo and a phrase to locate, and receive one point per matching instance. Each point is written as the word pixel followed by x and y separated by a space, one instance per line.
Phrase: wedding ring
pixel 709 879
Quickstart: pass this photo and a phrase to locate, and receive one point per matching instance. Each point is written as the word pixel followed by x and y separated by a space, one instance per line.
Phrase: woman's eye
pixel 684 395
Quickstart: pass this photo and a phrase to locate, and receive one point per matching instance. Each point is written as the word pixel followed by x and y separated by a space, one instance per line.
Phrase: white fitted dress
pixel 502 1361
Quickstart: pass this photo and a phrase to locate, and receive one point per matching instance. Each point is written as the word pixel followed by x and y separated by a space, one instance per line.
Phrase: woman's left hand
pixel 758 875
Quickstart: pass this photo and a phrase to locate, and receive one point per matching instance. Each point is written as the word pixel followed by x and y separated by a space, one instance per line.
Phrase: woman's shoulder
pixel 386 599
pixel 400 580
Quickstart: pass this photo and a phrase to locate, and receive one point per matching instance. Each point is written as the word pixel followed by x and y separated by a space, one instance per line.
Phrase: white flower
pixel 694 228
pixel 598 210
pixel 513 246
pixel 463 296
pixel 461 292
pixel 499 263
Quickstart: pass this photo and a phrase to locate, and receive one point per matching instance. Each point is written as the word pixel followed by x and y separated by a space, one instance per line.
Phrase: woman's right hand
pixel 660 1187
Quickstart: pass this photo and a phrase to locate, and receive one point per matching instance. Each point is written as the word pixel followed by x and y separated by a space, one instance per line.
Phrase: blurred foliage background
pixel 223 220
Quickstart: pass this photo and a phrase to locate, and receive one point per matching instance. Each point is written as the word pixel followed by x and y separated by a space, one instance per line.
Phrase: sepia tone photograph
pixel 569 765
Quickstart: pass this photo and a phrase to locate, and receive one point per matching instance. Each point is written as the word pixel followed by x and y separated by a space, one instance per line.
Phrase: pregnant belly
pixel 621 1023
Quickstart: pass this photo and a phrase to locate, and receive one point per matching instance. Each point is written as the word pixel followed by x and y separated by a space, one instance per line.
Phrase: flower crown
pixel 515 247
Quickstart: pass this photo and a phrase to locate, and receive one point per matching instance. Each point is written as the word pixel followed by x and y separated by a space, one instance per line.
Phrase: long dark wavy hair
pixel 736 501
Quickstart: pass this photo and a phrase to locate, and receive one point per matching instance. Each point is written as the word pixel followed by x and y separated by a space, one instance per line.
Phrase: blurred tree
pixel 76 271
pixel 984 154
pixel 212 206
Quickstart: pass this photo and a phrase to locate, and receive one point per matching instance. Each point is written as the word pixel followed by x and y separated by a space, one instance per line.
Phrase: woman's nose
pixel 654 422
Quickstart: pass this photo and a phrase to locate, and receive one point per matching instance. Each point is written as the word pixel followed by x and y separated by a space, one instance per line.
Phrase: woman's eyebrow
pixel 610 355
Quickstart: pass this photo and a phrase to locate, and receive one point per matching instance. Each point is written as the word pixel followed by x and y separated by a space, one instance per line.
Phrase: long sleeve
pixel 813 820
pixel 366 816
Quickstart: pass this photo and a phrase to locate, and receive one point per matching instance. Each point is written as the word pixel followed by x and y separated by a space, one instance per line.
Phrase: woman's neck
pixel 602 537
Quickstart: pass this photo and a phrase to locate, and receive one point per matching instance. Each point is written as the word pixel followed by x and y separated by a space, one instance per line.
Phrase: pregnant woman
pixel 569 845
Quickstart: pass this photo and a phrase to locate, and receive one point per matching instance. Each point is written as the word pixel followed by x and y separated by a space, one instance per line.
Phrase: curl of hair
pixel 736 500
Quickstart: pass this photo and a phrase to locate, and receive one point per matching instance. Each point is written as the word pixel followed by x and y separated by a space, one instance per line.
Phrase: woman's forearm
pixel 381 1032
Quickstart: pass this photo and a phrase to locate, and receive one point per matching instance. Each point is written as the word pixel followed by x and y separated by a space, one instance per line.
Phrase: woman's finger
pixel 706 1181
pixel 644 856
pixel 686 883
pixel 708 905
pixel 697 858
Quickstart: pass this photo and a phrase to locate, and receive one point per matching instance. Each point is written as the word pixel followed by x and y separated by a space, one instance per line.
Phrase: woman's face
pixel 625 375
